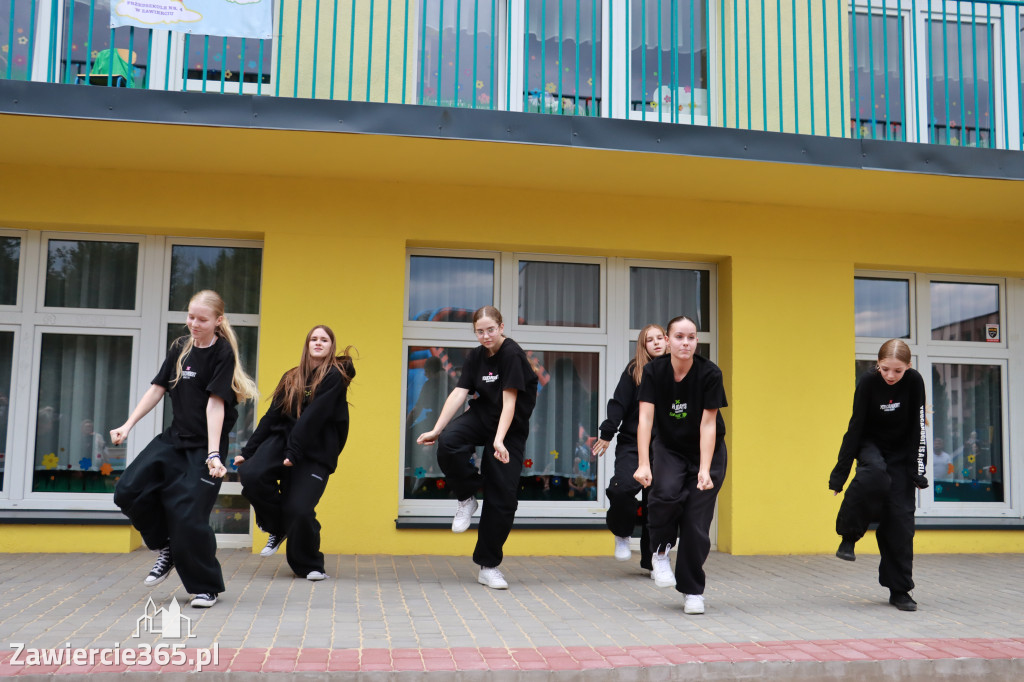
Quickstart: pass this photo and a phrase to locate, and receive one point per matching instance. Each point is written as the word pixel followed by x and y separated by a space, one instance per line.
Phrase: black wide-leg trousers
pixel 168 494
pixel 882 492
pixel 284 499
pixel 677 509
pixel 500 482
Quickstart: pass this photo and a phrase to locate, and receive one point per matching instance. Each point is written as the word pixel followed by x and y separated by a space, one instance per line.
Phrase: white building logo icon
pixel 166 622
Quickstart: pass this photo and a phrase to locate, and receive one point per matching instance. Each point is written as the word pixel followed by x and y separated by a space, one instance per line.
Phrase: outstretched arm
pixel 150 399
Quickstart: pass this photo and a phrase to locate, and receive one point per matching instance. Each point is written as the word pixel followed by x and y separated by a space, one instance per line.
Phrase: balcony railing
pixel 946 72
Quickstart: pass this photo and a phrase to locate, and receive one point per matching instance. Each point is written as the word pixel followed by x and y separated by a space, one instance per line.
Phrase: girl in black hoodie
pixel 295 448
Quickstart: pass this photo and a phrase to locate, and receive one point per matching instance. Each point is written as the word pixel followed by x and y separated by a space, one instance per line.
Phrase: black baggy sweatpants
pixel 882 491
pixel 284 500
pixel 500 482
pixel 621 518
pixel 168 494
pixel 677 508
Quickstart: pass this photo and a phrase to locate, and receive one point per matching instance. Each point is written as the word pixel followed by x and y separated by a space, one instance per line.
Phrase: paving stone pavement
pixel 384 615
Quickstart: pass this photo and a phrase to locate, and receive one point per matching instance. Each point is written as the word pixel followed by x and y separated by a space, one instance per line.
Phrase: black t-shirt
pixel 204 372
pixel 679 406
pixel 488 376
pixel 891 417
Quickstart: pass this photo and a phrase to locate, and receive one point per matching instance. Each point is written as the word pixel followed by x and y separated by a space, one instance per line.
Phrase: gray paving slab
pixel 401 602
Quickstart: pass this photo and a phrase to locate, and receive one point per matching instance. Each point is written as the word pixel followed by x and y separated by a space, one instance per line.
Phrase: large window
pixel 81 322
pixel 668 61
pixel 576 318
pixel 955 329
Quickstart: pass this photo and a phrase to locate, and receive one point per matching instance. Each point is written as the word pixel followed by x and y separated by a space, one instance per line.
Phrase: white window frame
pixel 610 342
pixel 15 437
pixel 912 311
pixel 169 317
pixel 927 351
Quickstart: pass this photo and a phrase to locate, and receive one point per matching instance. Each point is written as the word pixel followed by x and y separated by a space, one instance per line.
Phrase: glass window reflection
pixel 882 307
pixel 91 274
pixel 448 74
pixel 967 448
pixel 10 262
pixel 668 59
pixel 6 366
pixel 563 57
pixel 445 289
pixel 233 272
pixel 961 311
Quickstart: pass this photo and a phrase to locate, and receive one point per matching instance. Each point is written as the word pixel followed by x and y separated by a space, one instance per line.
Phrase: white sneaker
pixel 464 514
pixel 694 604
pixel 662 573
pixel 273 544
pixel 204 600
pixel 315 575
pixel 622 550
pixel 493 578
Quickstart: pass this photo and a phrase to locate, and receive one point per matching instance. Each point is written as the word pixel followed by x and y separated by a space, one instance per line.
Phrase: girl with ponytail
pixel 169 489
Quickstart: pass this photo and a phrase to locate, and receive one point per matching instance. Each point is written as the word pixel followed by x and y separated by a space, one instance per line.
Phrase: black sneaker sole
pixel 846 556
pixel 903 606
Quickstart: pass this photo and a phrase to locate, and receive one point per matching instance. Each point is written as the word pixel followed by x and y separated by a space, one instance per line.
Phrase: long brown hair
pixel 642 356
pixel 241 383
pixel 293 385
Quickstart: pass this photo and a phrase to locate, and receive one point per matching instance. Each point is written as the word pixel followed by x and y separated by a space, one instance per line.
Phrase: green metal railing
pixel 946 72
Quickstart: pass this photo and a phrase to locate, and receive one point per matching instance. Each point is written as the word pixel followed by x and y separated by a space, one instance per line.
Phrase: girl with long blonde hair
pixel 169 489
pixel 623 415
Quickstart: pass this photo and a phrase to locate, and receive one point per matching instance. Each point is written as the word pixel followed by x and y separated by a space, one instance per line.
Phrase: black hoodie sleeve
pixel 854 434
pixel 619 405
pixel 272 418
pixel 323 409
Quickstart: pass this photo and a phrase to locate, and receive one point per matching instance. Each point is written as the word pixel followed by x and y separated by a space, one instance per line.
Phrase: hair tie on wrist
pixel 212 455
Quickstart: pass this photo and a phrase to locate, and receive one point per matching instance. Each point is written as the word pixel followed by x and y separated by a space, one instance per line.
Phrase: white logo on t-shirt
pixel 889 407
pixel 187 373
pixel 490 378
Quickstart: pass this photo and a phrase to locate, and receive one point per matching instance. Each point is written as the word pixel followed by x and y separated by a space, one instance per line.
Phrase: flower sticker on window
pixel 50 461
pixel 105 469
pixel 971 458
pixel 85 463
pixel 992 469
pixel 440 483
pixel 584 466
pixel 420 472
pixel 528 464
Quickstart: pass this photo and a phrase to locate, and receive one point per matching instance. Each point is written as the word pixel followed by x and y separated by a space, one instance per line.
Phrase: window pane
pixel 559 294
pixel 882 308
pixel 967 455
pixel 14 41
pixel 557 80
pixel 230 515
pixel 432 373
pixel 83 392
pixel 449 289
pixel 89 52
pixel 233 272
pixel 10 260
pixel 656 295
pixel 248 342
pixel 448 75
pixel 961 97
pixel 668 59
pixel 961 311
pixel 88 274
pixel 234 59
pixel 877 78
pixel 6 363
pixel 559 464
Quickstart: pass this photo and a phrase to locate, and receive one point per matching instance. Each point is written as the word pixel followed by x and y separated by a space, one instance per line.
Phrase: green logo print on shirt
pixel 678 410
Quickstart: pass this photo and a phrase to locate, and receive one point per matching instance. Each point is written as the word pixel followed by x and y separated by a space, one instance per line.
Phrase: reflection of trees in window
pixel 10 258
pixel 91 274
pixel 232 272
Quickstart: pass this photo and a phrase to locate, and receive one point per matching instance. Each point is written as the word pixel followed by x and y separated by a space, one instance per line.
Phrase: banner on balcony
pixel 233 18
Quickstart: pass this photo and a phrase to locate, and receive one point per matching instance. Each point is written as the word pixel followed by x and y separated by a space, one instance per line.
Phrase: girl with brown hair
pixel 286 462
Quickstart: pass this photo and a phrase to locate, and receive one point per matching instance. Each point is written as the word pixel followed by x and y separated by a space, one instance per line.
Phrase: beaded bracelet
pixel 212 455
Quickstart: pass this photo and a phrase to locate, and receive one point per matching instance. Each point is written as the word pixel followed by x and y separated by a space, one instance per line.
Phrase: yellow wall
pixel 334 252
pixel 23 537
